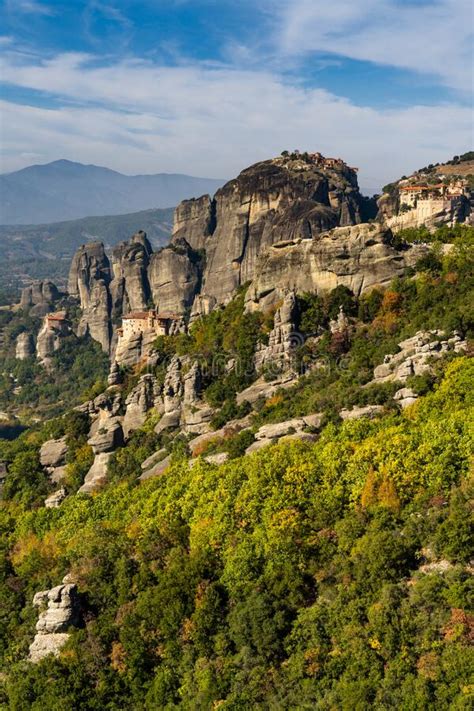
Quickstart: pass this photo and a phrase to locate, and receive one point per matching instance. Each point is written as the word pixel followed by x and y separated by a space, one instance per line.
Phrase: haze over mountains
pixel 65 190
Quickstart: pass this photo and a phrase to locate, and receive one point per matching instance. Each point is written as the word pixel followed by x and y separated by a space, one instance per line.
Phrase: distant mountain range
pixel 64 190
pixel 61 239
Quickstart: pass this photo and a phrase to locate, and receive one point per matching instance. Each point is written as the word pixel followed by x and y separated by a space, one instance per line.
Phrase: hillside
pixel 64 190
pixel 244 480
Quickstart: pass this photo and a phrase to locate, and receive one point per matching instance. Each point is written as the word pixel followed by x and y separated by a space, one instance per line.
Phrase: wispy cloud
pixel 433 37
pixel 136 116
pixel 30 7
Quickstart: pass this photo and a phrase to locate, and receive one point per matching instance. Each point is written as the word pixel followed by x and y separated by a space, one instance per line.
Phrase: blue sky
pixel 207 87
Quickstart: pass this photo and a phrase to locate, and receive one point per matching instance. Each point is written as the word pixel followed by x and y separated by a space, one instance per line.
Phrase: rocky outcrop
pixel 416 355
pixel 358 257
pixel 53 458
pixel 39 298
pixel 278 354
pixel 54 330
pixel 55 499
pixel 356 413
pixel 108 436
pixel 278 199
pixel 144 397
pixel 96 477
pixel 130 288
pixel 61 611
pixel 405 397
pixel 175 276
pixel 89 280
pixel 25 347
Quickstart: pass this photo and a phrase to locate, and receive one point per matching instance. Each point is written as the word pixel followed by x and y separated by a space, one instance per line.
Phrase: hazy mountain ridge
pixel 65 190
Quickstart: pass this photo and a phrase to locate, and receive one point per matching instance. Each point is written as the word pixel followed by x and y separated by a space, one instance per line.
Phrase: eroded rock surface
pixel 61 610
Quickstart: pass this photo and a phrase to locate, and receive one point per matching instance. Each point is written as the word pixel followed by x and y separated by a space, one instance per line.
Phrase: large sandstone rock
pixel 96 477
pixel 39 298
pixel 61 610
pixel 275 200
pixel 130 289
pixel 54 330
pixel 53 453
pixel 356 413
pixel 89 279
pixel 108 436
pixel 144 397
pixel 358 257
pixel 25 347
pixel 283 339
pixel 175 275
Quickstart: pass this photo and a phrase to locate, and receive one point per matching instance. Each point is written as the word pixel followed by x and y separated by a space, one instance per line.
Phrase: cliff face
pixel 358 257
pixel 269 202
pixel 292 222
pixel 89 280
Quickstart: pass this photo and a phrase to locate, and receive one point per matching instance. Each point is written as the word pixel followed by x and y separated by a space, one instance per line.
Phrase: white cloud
pixel 29 7
pixel 433 37
pixel 135 116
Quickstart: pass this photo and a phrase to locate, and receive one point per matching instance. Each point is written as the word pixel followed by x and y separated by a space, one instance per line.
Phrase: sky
pixel 208 87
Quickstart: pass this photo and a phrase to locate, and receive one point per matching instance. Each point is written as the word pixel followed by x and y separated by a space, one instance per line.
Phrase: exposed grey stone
pixel 61 610
pixel 25 347
pixel 217 459
pixel 96 477
pixel 144 397
pixel 108 437
pixel 357 412
pixel 156 469
pixel 55 499
pixel 153 459
pixel 53 453
pixel 280 429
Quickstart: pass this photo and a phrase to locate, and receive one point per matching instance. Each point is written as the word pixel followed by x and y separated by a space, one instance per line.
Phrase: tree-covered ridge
pixel 331 575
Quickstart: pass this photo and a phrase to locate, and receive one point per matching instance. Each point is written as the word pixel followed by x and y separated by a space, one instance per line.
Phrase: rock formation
pixel 415 356
pixel 275 200
pixel 39 298
pixel 358 257
pixel 195 221
pixel 61 610
pixel 89 280
pixel 130 289
pixel 283 340
pixel 144 397
pixel 53 458
pixel 55 328
pixel 175 274
pixel 25 347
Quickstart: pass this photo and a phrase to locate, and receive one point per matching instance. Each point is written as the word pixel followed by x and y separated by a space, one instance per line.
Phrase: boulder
pixel 357 412
pixel 61 610
pixel 280 429
pixel 405 397
pixel 55 499
pixel 153 459
pixel 156 469
pixel 217 459
pixel 96 477
pixel 108 437
pixel 53 453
